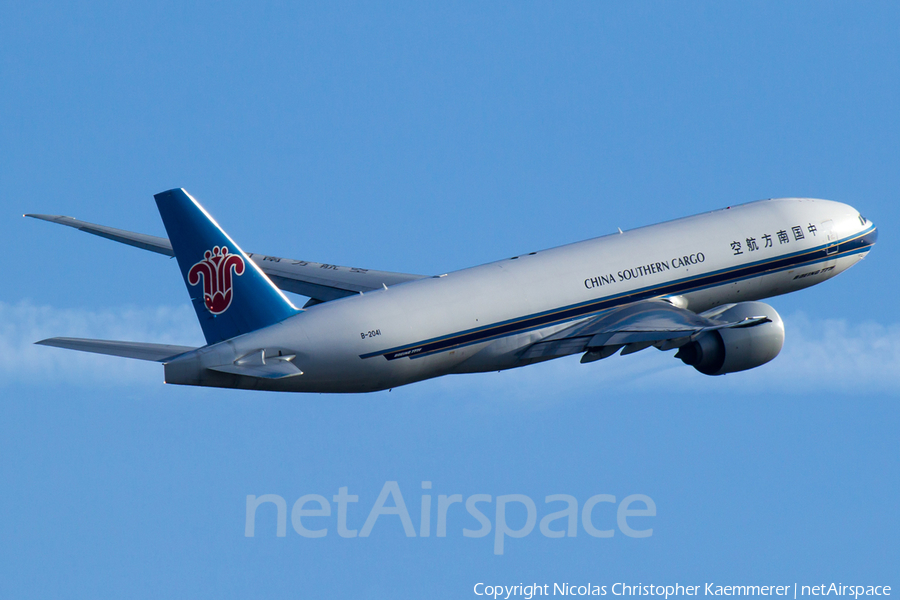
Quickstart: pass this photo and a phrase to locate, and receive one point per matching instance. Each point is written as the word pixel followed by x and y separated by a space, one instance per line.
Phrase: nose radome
pixel 872 236
pixel 867 229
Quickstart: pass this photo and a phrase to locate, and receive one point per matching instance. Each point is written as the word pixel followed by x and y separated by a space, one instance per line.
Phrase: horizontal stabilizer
pixel 138 350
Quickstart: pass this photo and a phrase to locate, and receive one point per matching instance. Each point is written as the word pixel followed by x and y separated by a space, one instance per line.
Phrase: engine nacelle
pixel 735 349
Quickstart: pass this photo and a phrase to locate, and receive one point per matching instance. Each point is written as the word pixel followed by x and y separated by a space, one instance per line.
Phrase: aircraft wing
pixel 319 281
pixel 324 282
pixel 632 328
pixel 139 240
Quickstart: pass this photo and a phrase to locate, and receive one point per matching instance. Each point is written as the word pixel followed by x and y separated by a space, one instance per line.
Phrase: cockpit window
pixel 862 219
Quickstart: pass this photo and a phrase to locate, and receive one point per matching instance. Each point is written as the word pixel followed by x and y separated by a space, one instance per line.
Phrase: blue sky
pixel 424 138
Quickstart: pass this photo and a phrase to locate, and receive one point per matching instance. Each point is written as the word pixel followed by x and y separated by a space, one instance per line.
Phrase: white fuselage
pixel 480 319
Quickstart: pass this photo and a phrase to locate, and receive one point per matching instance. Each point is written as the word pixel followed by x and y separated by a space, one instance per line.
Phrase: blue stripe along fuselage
pixel 853 245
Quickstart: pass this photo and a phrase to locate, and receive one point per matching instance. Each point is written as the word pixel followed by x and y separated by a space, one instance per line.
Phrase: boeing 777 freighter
pixel 691 285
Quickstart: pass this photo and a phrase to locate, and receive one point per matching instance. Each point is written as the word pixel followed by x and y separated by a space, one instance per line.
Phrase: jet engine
pixel 738 348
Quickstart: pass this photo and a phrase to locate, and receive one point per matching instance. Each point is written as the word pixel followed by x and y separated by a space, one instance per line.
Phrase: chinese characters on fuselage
pixel 752 245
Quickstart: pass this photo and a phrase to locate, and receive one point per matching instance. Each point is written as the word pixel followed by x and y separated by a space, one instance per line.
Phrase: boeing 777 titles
pixel 691 285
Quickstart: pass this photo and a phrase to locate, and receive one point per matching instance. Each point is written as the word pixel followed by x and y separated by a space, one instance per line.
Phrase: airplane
pixel 692 285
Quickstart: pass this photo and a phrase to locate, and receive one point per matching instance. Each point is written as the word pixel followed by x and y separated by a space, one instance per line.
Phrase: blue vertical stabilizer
pixel 229 292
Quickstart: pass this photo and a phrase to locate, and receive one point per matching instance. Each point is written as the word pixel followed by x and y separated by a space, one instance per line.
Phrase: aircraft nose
pixel 872 236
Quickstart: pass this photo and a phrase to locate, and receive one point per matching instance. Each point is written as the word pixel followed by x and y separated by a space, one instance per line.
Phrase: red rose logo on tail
pixel 215 270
